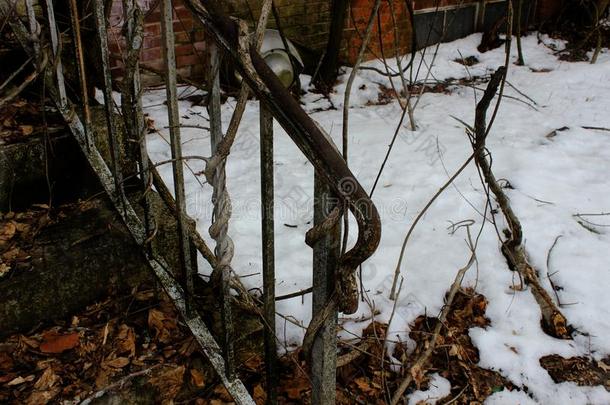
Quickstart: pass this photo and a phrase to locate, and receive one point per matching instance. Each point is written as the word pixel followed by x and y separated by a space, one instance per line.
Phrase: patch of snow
pixel 553 178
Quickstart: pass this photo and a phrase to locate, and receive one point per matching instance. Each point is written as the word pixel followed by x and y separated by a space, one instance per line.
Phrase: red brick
pixel 151 54
pixel 187 49
pixel 188 60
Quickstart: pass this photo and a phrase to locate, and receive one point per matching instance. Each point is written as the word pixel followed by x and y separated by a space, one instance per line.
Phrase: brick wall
pixel 357 21
pixel 305 22
pixel 189 37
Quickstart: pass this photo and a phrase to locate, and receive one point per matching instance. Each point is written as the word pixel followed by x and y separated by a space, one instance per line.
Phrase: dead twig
pixel 548 268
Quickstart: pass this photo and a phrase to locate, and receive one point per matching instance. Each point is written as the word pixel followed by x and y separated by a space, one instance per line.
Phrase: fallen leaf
pixel 47 380
pixel 4 269
pixel 119 362
pixel 168 382
pixel 161 324
pixel 16 381
pixel 259 395
pixel 8 231
pixel 52 342
pixel 197 378
pixel 126 340
pixel 418 375
pixel 42 397
pixel 6 361
pixel 365 386
pixel 26 129
pixel 144 295
pixel 26 341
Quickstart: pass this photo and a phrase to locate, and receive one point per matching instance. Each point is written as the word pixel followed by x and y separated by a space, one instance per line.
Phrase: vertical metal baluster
pixel 326 253
pixel 59 73
pixel 267 201
pixel 187 263
pixel 134 118
pixel 34 29
pixel 115 154
pixel 78 50
pixel 224 245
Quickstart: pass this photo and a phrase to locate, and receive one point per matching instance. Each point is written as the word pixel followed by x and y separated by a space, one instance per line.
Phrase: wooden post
pixel 268 240
pixel 326 253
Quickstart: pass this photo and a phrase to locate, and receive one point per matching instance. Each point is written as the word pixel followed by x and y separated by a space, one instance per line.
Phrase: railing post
pixel 326 253
pixel 59 73
pixel 78 50
pixel 222 211
pixel 115 155
pixel 134 114
pixel 268 240
pixel 34 29
pixel 187 264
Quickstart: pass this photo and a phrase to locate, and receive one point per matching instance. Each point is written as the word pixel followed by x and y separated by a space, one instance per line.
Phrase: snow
pixel 439 388
pixel 554 178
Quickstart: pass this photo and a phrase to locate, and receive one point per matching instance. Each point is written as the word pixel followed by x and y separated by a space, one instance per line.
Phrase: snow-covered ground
pixel 554 178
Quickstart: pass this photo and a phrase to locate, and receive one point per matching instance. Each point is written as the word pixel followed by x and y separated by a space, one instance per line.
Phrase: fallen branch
pixel 553 321
pixel 119 385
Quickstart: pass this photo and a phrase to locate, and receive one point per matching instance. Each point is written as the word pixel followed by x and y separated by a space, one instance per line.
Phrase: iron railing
pixel 336 188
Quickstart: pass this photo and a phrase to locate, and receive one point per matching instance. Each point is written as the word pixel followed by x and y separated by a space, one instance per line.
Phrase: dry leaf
pixel 197 378
pixel 162 325
pixel 365 386
pixel 126 340
pixel 168 382
pixel 42 397
pixel 222 392
pixel 52 342
pixel 144 295
pixel 26 341
pixel 4 269
pixel 47 380
pixel 8 231
pixel 6 361
pixel 16 381
pixel 418 375
pixel 188 347
pixel 119 362
pixel 259 395
pixel 26 129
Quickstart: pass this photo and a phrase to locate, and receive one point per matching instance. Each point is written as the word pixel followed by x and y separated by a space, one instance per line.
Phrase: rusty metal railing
pixel 336 188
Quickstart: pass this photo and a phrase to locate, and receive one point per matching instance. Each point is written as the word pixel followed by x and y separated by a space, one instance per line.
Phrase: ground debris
pixel 455 357
pixel 17 232
pixel 583 371
pixel 107 348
